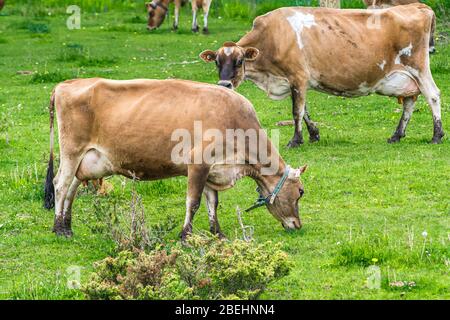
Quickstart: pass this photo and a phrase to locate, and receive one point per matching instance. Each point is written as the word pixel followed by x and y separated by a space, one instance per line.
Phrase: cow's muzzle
pixel 226 83
pixel 149 28
pixel 292 224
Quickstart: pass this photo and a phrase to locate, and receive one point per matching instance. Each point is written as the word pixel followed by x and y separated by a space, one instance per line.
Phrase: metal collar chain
pixel 272 196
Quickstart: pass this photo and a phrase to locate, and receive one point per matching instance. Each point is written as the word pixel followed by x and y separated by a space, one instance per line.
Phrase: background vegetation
pixel 367 203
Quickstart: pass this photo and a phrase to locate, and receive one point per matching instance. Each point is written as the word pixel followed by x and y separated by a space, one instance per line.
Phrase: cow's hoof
pixel 436 140
pixel 221 236
pixel 394 139
pixel 314 138
pixel 294 143
pixel 196 29
pixel 218 234
pixel 185 233
pixel 205 30
pixel 62 232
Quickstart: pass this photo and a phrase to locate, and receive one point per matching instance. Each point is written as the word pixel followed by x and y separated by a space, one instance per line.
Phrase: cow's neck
pixel 249 40
pixel 165 2
pixel 266 182
pixel 254 71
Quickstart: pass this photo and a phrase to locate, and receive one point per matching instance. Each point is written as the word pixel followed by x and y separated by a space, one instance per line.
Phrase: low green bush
pixel 51 77
pixel 206 268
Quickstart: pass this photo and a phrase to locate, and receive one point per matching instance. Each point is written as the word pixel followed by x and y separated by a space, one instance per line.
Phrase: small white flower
pixel 424 234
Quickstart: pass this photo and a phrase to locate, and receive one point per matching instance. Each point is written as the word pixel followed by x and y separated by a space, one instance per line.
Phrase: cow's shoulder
pixel 411 12
pixel 75 90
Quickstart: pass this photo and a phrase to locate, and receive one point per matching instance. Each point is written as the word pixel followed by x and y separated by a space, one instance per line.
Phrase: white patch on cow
pixel 407 51
pixel 382 64
pixel 298 22
pixel 228 51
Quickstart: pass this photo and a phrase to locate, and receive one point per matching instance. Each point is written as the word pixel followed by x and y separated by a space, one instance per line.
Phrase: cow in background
pixel 381 4
pixel 2 4
pixel 291 50
pixel 158 9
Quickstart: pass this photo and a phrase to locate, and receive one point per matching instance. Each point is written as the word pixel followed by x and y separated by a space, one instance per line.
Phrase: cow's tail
pixel 432 48
pixel 49 189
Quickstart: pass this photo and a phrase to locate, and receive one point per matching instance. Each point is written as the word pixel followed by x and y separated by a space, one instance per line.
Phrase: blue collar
pixel 272 196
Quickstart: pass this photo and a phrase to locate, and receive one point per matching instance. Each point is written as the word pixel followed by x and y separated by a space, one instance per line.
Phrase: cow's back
pixel 351 48
pixel 133 122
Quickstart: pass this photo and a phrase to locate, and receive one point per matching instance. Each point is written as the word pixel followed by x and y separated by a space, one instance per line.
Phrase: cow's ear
pixel 208 56
pixel 303 169
pixel 251 54
pixel 296 173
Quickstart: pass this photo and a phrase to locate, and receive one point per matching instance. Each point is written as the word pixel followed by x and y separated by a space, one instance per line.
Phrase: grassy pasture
pixel 367 202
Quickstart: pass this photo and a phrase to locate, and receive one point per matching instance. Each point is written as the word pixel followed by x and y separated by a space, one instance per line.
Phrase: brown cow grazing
pixel 340 52
pixel 158 9
pixel 132 128
pixel 381 4
pixel 2 4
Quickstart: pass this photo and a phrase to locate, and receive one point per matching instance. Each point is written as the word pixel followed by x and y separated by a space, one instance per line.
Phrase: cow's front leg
pixel 408 108
pixel 314 135
pixel 212 201
pixel 177 15
pixel 197 175
pixel 194 17
pixel 298 112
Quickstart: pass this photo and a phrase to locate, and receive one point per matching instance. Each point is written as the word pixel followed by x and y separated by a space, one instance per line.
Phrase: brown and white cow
pixel 109 127
pixel 347 53
pixel 158 9
pixel 381 4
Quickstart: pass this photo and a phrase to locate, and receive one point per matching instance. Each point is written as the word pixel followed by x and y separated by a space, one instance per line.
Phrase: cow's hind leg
pixel 314 135
pixel 408 108
pixel 433 97
pixel 64 179
pixel 298 112
pixel 206 5
pixel 197 176
pixel 212 201
pixel 67 211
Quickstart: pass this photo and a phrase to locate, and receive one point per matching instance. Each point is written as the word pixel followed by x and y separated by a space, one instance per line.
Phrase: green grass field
pixel 366 203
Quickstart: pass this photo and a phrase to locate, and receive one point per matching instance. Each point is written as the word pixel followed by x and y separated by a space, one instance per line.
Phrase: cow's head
pixel 230 61
pixel 285 206
pixel 156 13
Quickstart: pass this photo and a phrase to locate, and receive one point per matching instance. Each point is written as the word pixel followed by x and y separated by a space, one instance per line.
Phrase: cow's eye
pixel 239 63
pixel 302 192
